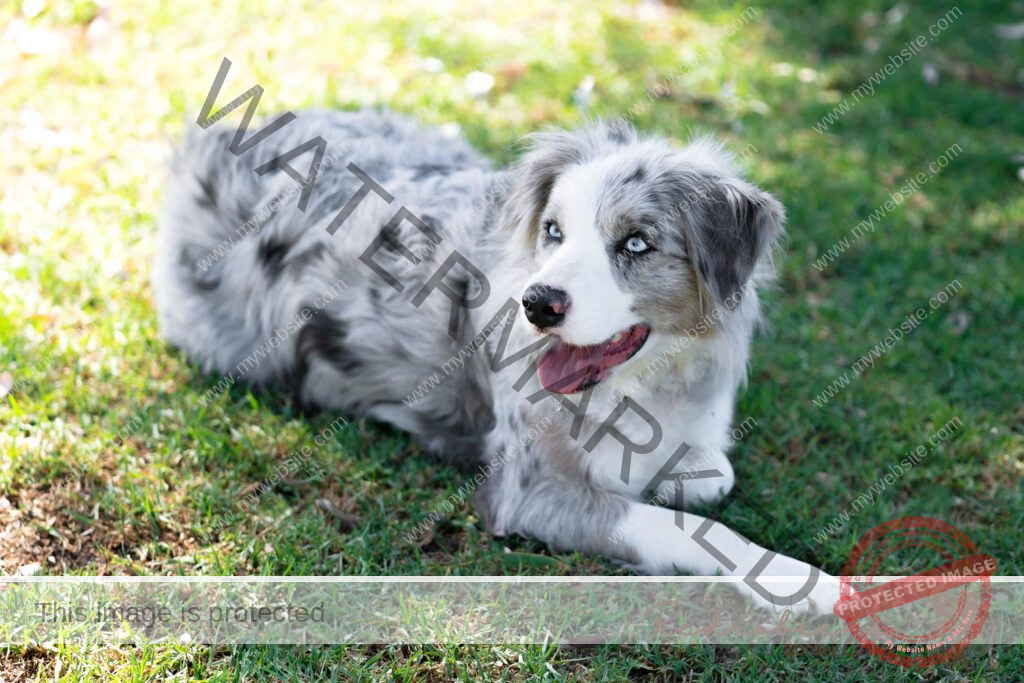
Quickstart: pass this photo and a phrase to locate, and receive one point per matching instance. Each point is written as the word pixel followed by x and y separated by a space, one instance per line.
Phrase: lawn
pixel 111 464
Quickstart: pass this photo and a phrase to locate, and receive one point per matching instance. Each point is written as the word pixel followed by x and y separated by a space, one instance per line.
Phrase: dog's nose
pixel 545 306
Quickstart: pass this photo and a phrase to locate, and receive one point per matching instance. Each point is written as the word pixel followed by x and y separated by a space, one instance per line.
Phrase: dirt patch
pixel 27 665
pixel 57 533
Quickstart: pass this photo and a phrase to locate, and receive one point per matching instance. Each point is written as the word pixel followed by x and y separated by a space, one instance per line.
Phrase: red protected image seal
pixel 924 618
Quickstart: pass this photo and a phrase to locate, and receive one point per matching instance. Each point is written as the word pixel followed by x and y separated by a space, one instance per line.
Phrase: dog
pixel 606 282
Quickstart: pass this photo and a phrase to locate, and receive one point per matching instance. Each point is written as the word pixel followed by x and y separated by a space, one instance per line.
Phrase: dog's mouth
pixel 565 368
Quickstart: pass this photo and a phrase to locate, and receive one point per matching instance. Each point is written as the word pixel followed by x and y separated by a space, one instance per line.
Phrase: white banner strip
pixel 415 610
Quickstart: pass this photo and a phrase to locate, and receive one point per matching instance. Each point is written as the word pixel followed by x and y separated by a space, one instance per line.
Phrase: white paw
pixel 794 593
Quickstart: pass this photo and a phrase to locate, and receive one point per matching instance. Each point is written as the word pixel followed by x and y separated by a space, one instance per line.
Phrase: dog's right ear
pixel 736 228
pixel 548 156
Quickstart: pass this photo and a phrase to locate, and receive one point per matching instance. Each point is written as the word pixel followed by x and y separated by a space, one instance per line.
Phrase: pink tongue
pixel 563 369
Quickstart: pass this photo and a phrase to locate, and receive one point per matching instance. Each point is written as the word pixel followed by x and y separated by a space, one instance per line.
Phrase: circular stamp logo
pixel 924 618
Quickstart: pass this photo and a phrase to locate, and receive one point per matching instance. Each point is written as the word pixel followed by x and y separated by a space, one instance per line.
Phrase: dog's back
pixel 252 287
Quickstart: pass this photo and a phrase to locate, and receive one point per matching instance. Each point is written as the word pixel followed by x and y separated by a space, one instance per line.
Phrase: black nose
pixel 545 307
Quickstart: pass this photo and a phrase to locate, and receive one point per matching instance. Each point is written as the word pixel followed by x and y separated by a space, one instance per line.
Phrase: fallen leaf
pixel 348 522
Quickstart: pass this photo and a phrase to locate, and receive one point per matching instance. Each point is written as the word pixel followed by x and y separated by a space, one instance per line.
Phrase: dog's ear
pixel 732 234
pixel 549 155
pixel 533 178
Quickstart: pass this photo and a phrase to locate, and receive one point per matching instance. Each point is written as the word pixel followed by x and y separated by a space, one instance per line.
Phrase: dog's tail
pixel 212 202
pixel 204 279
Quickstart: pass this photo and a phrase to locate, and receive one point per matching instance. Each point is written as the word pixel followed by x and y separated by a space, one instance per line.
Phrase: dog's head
pixel 626 237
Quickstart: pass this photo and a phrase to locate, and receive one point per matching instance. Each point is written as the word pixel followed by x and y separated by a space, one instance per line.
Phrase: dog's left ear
pixel 551 154
pixel 732 234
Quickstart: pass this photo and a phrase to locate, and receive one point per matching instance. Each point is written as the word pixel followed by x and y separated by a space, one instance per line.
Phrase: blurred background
pixel 117 457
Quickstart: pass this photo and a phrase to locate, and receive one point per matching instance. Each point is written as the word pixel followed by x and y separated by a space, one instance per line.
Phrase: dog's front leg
pixel 529 499
pixel 704 547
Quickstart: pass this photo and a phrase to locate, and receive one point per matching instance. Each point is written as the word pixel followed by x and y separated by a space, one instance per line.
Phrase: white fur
pixel 581 265
pixel 666 545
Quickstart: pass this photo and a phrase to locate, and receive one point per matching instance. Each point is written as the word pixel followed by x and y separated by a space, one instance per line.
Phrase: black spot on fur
pixel 348 362
pixel 387 247
pixel 529 469
pixel 655 197
pixel 272 254
pixel 638 175
pixel 617 134
pixel 427 170
pixel 435 225
pixel 208 200
pixel 305 260
pixel 323 337
pixel 188 260
pixel 448 435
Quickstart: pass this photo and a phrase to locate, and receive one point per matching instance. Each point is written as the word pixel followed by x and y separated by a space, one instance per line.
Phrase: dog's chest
pixel 701 426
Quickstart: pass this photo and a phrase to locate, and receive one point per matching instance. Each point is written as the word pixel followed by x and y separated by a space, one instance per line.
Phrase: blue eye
pixel 636 245
pixel 552 231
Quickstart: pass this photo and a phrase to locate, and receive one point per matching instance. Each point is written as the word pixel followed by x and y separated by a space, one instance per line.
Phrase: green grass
pixel 88 123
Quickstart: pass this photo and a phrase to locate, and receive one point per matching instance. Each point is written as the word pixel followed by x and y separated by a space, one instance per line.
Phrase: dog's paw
pixel 777 596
